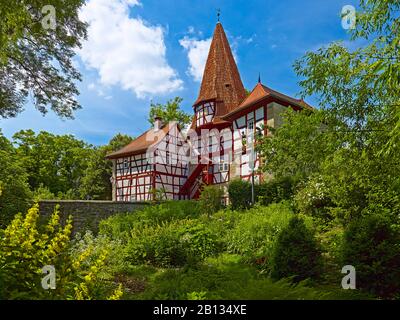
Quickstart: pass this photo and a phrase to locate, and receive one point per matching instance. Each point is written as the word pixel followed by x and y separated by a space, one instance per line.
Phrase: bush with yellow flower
pixel 26 247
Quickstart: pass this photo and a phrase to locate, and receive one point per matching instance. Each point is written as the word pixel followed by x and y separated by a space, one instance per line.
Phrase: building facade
pixel 165 163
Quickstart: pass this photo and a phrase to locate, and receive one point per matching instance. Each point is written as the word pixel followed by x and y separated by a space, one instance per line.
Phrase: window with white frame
pixel 223 166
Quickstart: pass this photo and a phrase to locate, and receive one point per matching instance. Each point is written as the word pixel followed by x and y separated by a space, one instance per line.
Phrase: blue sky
pixel 140 51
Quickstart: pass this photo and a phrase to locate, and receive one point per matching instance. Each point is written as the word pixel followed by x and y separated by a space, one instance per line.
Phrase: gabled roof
pixel 143 142
pixel 221 78
pixel 261 92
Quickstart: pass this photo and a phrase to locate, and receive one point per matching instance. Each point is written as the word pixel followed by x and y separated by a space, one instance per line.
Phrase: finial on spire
pixel 259 77
pixel 218 14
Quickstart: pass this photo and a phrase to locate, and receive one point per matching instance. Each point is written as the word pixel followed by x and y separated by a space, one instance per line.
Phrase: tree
pixel 36 53
pixel 53 161
pixel 359 91
pixel 15 195
pixel 170 112
pixel 298 147
pixel 361 88
pixel 95 183
pixel 351 145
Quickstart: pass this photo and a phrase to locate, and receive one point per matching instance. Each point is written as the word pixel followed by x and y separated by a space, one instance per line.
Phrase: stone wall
pixel 87 214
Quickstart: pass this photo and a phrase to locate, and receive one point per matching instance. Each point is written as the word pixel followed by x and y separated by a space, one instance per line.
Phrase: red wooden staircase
pixel 191 187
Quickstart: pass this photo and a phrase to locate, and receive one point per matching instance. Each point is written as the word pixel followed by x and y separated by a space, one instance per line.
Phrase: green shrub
pixel 239 194
pixel 43 193
pixel 313 199
pixel 120 225
pixel 116 262
pixel 255 232
pixel 175 243
pixel 26 247
pixel 210 200
pixel 275 190
pixel 372 245
pixel 221 223
pixel 296 253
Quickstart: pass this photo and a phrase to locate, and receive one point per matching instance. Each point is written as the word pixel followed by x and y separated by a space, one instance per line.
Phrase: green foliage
pixel 56 162
pixel 37 61
pixel 56 167
pixel 115 262
pixel 359 93
pixel 226 277
pixel 119 226
pixel 313 198
pixel 95 181
pixel 239 194
pixel 175 243
pixel 345 155
pixel 210 200
pixel 372 245
pixel 170 112
pixel 255 232
pixel 297 148
pixel 167 234
pixel 43 193
pixel 25 248
pixel 275 190
pixel 15 195
pixel 297 253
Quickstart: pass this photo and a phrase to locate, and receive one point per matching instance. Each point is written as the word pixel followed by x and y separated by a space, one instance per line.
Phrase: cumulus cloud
pixel 197 51
pixel 126 51
pixel 99 89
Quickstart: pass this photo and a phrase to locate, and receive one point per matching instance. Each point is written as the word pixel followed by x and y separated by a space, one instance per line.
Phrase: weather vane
pixel 218 13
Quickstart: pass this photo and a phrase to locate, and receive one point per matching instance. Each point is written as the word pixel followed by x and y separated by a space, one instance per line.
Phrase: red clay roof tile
pixel 221 78
pixel 141 143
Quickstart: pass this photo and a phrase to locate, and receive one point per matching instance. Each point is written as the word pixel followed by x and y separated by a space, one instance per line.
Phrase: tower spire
pixel 221 79
pixel 259 77
pixel 218 14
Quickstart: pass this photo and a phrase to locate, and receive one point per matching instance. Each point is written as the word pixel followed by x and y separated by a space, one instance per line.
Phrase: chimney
pixel 157 123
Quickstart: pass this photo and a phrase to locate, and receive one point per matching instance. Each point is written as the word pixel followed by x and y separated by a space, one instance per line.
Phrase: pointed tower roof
pixel 221 78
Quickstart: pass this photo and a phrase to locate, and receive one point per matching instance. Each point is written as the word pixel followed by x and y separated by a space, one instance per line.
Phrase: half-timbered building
pixel 219 145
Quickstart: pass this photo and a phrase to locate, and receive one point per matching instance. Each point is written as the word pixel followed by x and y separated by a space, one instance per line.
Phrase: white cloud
pixel 125 51
pixel 197 51
pixel 197 54
pixel 99 89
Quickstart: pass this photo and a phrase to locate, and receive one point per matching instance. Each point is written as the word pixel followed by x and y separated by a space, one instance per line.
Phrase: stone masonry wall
pixel 87 214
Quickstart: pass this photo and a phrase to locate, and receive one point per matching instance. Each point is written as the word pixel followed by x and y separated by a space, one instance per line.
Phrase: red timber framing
pixel 163 167
pixel 134 178
pixel 204 113
pixel 249 124
pixel 213 149
pixel 171 166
